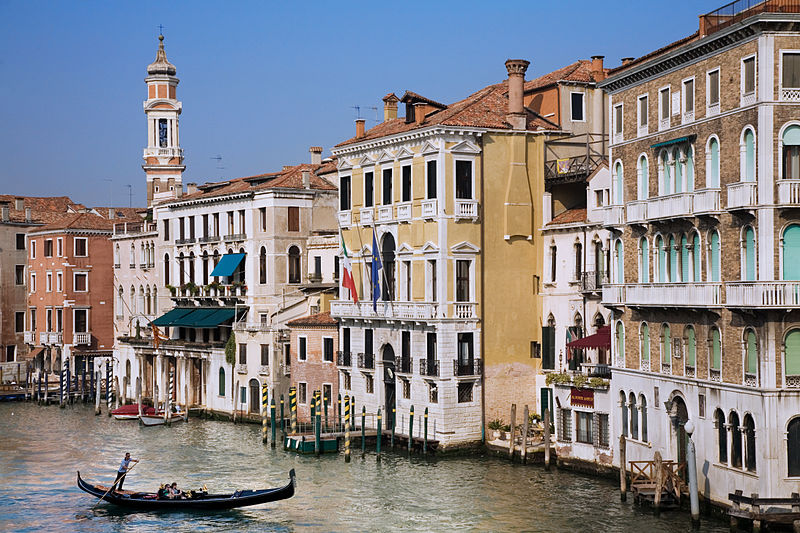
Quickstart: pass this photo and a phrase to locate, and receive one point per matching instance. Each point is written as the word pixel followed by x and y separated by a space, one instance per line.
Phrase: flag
pixel 569 340
pixel 157 336
pixel 376 266
pixel 347 274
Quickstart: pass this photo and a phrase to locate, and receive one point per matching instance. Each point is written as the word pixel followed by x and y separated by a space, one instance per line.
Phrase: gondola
pixel 204 501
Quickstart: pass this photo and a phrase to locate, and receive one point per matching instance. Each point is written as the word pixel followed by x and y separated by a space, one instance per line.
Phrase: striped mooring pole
pixel 380 435
pixel 410 427
pixel 272 416
pixel 64 383
pixel 264 406
pixel 67 379
pixel 394 423
pixel 283 420
pixel 325 401
pixel 363 434
pixel 317 430
pixel 293 408
pixel 170 392
pixel 425 439
pixel 108 386
pixel 346 429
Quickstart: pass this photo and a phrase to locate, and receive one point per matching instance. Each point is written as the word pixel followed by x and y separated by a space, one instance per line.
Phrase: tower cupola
pixel 161 65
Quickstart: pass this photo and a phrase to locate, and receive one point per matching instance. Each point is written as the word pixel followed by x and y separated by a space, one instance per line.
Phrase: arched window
pixel 634 416
pixel 644 266
pixel 674 273
pixel 714 256
pixel 294 264
pixel 736 440
pixel 749 426
pixel 792 350
pixel 142 255
pixel 140 301
pixel 791 252
pixel 181 270
pixel 147 305
pixel 666 344
pixel 748 254
pixel 677 160
pixel 712 163
pixel 793 447
pixel 695 256
pixel 722 436
pixel 619 262
pixel 644 184
pixel 684 258
pixel 620 342
pixel 155 300
pixel 388 250
pixel 643 410
pixel 716 350
pixel 166 269
pixel 691 346
pixel 624 412
pixel 262 266
pixel 690 169
pixel 133 256
pixel 191 267
pixel 791 153
pixel 665 176
pixel 618 185
pixel 116 254
pixel 133 300
pixel 750 352
pixel 662 259
pixel 120 302
pixel 221 381
pixel 578 260
pixel 748 155
pixel 645 343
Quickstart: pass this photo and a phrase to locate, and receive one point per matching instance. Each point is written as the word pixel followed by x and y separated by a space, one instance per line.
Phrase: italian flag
pixel 347 275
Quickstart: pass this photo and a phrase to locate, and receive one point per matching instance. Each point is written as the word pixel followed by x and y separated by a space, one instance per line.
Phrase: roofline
pixel 71 231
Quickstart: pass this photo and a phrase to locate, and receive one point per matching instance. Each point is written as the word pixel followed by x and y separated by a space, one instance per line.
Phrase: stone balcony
pixel 763 294
pixel 404 212
pixel 367 216
pixel 613 215
pixel 54 338
pixel 392 310
pixel 467 368
pixel 83 339
pixel 345 219
pixel 789 193
pixel 29 337
pixel 429 208
pixel 467 209
pixel 742 195
pixel 670 206
pixel 663 294
pixel 707 201
pixel 163 152
pixel 385 213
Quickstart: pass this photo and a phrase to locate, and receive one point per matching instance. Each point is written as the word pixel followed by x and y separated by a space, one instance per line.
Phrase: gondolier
pixel 124 466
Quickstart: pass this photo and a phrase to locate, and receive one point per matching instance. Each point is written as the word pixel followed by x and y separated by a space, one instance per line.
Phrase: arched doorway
pixel 387 356
pixel 679 415
pixel 255 396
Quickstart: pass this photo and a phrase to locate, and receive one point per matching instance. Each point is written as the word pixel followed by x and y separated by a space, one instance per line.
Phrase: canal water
pixel 42 447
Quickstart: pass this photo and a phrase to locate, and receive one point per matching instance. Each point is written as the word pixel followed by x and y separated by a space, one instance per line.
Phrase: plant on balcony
pixel 213 288
pixel 580 380
pixel 598 383
pixel 172 289
pixel 230 349
pixel 559 378
pixel 190 288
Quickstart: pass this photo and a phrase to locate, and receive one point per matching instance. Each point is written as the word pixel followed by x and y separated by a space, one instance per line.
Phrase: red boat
pixel 131 412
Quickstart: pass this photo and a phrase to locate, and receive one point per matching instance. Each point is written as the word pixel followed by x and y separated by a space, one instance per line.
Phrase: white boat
pixel 158 419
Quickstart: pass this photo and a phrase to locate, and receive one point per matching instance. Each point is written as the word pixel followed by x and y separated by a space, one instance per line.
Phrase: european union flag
pixel 376 266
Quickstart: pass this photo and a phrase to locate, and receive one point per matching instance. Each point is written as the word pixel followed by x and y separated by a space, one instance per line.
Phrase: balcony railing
pixel 241 368
pixel 670 206
pixel 790 95
pixel 385 213
pixel 465 310
pixel 750 380
pixel 180 242
pixel 366 361
pixel 407 310
pixel 208 239
pixel 404 212
pixel 251 326
pixel 467 209
pixel 613 215
pixel 367 216
pixel 28 337
pixel 593 281
pixel 345 219
pixel 54 338
pixel 714 375
pixel 402 365
pixel 84 339
pixel 598 370
pixel 163 152
pixel 428 368
pixel 741 9
pixel 789 192
pixel 636 211
pixel 742 195
pixel 664 294
pixel 429 208
pixel 763 294
pixel 468 368
pixel 707 201
pixel 43 337
pixel 263 370
pixel 235 237
pixel 344 359
pixel 286 370
pixel 613 295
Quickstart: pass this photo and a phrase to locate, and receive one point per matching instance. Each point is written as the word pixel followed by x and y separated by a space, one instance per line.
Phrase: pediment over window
pixel 366 161
pixel 365 251
pixel 464 248
pixel 344 164
pixel 385 157
pixel 465 147
pixel 429 148
pixel 405 249
pixel 405 153
pixel 429 248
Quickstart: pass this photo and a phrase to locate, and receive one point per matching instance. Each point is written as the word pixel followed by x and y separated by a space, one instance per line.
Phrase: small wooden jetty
pixel 305 444
pixel 658 483
pixel 764 512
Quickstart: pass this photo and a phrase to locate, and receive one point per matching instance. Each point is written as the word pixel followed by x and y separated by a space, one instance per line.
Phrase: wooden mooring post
pixel 97 392
pixel 380 436
pixel 511 441
pixel 547 439
pixel 272 418
pixel 796 509
pixel 658 466
pixel 363 430
pixel 410 428
pixel 523 452
pixel 623 476
pixel 394 423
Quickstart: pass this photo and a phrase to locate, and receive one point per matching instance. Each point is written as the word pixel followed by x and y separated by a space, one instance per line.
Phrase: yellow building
pixel 452 196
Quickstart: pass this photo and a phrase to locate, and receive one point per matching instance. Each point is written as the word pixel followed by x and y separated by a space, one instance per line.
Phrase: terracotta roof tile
pixel 320 319
pixel 570 216
pixel 664 49
pixel 580 72
pixel 80 221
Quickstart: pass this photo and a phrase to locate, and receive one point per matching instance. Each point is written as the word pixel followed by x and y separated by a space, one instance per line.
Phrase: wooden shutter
pixel 294 219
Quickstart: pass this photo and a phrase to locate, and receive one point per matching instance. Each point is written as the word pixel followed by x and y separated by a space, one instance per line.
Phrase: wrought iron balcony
pixel 366 361
pixel 593 281
pixel 402 365
pixel 428 368
pixel 467 368
pixel 344 359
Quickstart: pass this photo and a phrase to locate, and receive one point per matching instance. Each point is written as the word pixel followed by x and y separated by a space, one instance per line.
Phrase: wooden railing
pixel 644 473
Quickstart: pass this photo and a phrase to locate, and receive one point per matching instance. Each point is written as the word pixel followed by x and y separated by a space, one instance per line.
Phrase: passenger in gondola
pixel 175 492
pixel 164 492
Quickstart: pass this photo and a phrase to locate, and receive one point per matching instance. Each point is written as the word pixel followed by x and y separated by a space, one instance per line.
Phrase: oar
pixel 114 485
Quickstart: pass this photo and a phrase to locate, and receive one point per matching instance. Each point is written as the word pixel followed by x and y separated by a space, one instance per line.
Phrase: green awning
pixel 679 140
pixel 169 318
pixel 227 265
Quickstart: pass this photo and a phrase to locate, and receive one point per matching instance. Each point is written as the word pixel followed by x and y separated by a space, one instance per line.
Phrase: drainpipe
pixel 483 301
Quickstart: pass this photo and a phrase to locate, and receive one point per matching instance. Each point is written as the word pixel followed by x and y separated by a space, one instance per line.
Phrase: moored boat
pixel 157 419
pixel 204 501
pixel 131 412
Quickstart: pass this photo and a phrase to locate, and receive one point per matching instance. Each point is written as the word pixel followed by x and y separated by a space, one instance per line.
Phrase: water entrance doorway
pixel 388 382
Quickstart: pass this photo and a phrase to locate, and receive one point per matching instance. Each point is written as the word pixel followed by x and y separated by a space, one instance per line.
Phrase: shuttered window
pixel 644 255
pixel 643 179
pixel 750 254
pixel 620 341
pixel 662 260
pixel 548 347
pixel 691 346
pixel 793 353
pixel 406 178
pixel 716 350
pixel 791 70
pixel 791 253
pixel 666 344
pixel 673 260
pixel 690 169
pixel 676 158
pixel 697 255
pixel 713 88
pixel 431 193
pixel 294 218
pixel 715 256
pixel 713 172
pixel 749 156
pixel 684 259
pixel 618 184
pixel 751 365
pixel 645 342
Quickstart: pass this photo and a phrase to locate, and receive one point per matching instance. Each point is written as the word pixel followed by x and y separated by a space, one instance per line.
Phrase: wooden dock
pixel 764 512
pixel 658 483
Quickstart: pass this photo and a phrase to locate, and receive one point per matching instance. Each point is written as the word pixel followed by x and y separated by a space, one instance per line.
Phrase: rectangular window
pixel 166 230
pixel 462 280
pixel 433 393
pixel 59 247
pixel 242 229
pixel 749 75
pixel 576 106
pixel 182 228
pixel 33 249
pixel 230 223
pixel 387 186
pixel 48 282
pixel 33 319
pixel 407 279
pixel 663 104
pixel 48 247
pixel 406 389
pixel 431 280
pixel 465 392
pixel 790 77
pixel 59 281
pixel 262 218
pixel 346 381
pixel 369 189
pixel 583 426
pixel 59 320
pixel 191 227
pixel 81 247
pixel 369 382
pixel 368 347
pixel 19 274
pixel 242 354
pixel 643 111
pixel 344 193
pixel 346 340
pixel 327 349
pixel 48 322
pixel 215 224
pixel 265 355
pixel 205 226
pixel 602 431
pixel 20 241
pixel 406 176
pixel 464 180
pixel 294 218
pixel 431 185
pixel 565 425
pixel 548 347
pixel 301 393
pixel 301 350
pixel 33 282
pixel 618 119
pixel 81 320
pixel 327 393
pixel 19 321
pixel 81 282
pixel 713 88
pixel 431 347
pixel 701 405
pixel 688 96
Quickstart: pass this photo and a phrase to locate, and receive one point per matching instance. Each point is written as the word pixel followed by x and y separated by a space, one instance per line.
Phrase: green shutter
pixel 716 350
pixel 715 256
pixel 690 169
pixel 684 259
pixel 752 356
pixel 673 260
pixel 666 356
pixel 749 156
pixel 645 255
pixel 713 182
pixel 696 245
pixel 645 342
pixel 691 347
pixel 619 183
pixel 620 263
pixel 643 178
pixel 666 175
pixel 750 254
pixel 791 253
pixel 793 353
pixel 662 260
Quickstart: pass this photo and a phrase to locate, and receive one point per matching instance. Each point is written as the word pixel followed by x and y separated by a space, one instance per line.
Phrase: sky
pixel 261 82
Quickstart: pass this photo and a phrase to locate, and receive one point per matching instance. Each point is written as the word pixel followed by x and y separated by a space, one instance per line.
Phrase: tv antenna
pixel 358 110
pixel 374 108
pixel 219 161
pixel 130 195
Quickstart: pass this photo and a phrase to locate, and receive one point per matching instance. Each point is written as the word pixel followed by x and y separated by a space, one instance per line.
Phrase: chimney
pixel 191 187
pixel 516 80
pixel 627 61
pixel 360 130
pixel 316 155
pixel 27 214
pixel 420 110
pixel 19 204
pixel 286 167
pixel 6 213
pixel 597 68
pixel 306 179
pixel 390 106
pixel 110 213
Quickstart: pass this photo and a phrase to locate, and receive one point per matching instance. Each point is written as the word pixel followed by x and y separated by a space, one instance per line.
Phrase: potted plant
pixel 506 434
pixel 171 289
pixel 496 428
pixel 580 380
pixel 213 288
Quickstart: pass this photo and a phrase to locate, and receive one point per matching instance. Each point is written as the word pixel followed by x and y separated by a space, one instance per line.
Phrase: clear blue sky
pixel 263 81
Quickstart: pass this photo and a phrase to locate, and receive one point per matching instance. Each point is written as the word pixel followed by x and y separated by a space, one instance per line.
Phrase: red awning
pixel 601 339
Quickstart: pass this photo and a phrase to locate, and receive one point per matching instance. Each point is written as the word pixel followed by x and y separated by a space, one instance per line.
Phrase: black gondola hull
pixel 146 501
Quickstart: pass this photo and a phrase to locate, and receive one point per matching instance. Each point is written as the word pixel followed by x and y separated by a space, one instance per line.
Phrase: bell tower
pixel 163 156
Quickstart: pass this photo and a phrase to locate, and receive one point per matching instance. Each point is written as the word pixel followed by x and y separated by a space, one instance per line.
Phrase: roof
pixel 663 50
pixel 161 65
pixel 60 210
pixel 78 221
pixel 570 216
pixel 486 108
pixel 411 97
pixel 577 72
pixel 320 319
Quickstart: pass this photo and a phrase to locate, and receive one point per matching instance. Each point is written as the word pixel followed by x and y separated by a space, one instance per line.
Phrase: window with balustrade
pixel 790 75
pixel 790 146
pixel 673 266
pixel 430 189
pixel 687 99
pixel 661 260
pixel 369 189
pixel 642 119
pixel 344 193
pixel 464 184
pixel 387 186
pixel 643 178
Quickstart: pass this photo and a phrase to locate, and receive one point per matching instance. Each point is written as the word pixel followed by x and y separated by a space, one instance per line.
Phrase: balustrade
pixel 742 194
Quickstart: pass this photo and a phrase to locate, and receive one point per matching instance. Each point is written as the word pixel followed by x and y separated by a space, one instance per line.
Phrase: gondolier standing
pixel 124 466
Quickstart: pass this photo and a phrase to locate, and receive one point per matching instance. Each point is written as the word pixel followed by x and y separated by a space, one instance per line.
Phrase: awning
pixel 36 352
pixel 686 139
pixel 601 339
pixel 227 265
pixel 169 318
pixel 195 317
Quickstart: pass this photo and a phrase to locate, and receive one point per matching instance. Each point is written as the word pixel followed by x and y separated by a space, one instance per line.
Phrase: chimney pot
pixel 316 155
pixel 627 61
pixel 420 110
pixel 390 106
pixel 360 128
pixel 516 82
pixel 597 68
pixel 306 179
pixel 110 213
pixel 19 204
pixel 27 214
pixel 191 187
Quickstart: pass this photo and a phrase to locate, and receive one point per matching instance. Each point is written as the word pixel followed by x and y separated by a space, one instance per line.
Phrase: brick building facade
pixel 313 359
